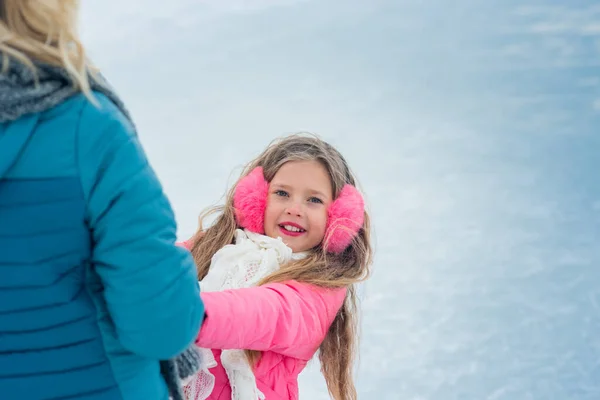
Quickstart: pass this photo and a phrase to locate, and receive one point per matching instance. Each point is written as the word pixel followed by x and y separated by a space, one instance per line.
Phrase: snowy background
pixel 474 129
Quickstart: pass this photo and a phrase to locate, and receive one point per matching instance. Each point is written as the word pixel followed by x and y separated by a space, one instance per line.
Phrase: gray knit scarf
pixel 19 96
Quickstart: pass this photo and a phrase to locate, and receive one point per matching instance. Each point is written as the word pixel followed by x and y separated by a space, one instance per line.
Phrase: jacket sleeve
pixel 289 318
pixel 150 285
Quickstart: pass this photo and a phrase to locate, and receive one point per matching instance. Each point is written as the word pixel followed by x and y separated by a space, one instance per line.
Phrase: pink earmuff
pixel 345 215
pixel 250 201
pixel 345 218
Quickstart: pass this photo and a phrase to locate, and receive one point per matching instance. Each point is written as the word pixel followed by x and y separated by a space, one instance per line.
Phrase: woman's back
pixel 90 282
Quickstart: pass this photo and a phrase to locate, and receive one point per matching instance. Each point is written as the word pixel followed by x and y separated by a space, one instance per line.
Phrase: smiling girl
pixel 278 270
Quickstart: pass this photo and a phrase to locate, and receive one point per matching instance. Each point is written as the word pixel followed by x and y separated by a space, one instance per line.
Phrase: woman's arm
pixel 150 285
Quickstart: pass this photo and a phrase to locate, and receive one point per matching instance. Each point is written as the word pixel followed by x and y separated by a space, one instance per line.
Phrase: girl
pixel 93 291
pixel 278 270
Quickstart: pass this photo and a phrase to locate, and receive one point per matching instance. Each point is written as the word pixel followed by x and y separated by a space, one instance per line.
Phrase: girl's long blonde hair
pixel 339 349
pixel 44 31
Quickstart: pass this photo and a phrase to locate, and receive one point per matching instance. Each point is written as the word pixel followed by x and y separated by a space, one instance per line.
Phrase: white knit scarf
pixel 235 266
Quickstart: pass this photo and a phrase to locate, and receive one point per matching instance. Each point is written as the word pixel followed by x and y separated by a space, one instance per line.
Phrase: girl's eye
pixel 281 193
pixel 315 200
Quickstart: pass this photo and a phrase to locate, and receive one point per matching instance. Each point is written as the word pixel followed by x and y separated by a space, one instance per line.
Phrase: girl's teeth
pixel 291 228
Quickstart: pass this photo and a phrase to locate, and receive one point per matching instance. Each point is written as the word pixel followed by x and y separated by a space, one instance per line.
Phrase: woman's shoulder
pixel 104 112
pixel 81 106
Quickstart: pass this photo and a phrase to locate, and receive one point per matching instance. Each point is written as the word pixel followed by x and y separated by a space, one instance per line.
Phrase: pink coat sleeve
pixel 185 244
pixel 289 318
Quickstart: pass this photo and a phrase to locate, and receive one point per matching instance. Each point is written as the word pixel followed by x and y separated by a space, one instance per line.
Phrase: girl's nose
pixel 294 209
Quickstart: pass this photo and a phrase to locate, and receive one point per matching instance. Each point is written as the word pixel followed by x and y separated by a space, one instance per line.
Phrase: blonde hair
pixel 339 349
pixel 44 31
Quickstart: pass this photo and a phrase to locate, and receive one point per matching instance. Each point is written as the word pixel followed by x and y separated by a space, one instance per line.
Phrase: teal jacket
pixel 93 290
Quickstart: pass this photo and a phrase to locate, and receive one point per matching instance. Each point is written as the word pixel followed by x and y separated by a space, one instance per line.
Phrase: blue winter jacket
pixel 93 290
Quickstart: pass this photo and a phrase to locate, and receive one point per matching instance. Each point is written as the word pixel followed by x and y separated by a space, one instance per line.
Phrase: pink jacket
pixel 286 321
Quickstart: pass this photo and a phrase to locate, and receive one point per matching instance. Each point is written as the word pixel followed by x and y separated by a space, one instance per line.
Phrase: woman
pixel 93 290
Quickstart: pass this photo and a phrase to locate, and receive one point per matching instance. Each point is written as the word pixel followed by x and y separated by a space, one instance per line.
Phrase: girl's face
pixel 299 195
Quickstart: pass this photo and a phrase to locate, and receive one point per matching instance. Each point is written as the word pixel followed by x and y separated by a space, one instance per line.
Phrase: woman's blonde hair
pixel 339 349
pixel 44 31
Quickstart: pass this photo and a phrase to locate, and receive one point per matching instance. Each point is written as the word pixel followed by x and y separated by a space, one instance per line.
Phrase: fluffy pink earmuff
pixel 345 216
pixel 250 201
